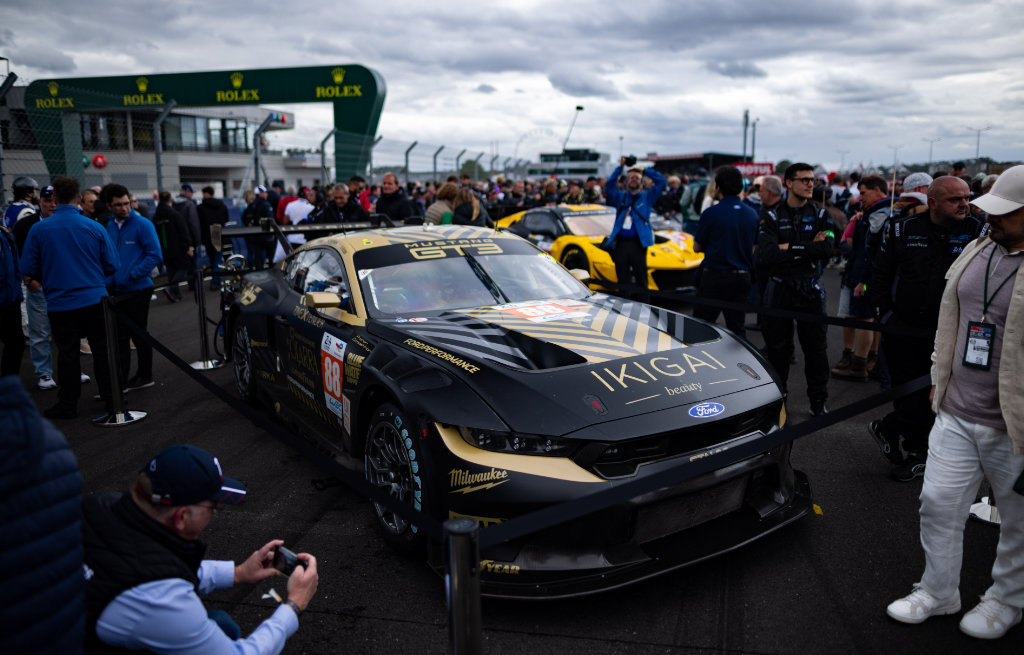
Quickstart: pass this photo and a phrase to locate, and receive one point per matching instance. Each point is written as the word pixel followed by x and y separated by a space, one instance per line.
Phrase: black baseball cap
pixel 46 191
pixel 186 475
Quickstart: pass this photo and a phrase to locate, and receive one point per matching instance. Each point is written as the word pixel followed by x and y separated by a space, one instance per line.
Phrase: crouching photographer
pixel 144 565
pixel 631 234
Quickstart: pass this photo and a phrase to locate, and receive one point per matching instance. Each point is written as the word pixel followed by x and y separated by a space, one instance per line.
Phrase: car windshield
pixel 461 278
pixel 591 225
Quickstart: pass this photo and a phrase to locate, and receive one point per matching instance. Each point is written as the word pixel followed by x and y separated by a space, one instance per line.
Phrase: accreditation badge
pixel 978 352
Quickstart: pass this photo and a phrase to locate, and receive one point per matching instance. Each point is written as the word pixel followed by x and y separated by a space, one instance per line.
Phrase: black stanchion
pixel 119 416
pixel 204 364
pixel 462 585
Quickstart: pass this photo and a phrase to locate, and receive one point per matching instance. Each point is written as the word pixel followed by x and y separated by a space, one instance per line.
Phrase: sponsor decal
pixel 264 375
pixel 236 93
pixel 248 295
pixel 353 367
pixel 449 248
pixel 55 102
pixel 655 369
pixel 361 342
pixel 346 414
pixel 418 319
pixel 304 363
pixel 706 410
pixel 258 344
pixel 686 388
pixel 490 566
pixel 708 453
pixel 541 313
pixel 462 481
pixel 332 356
pixel 440 354
pixel 305 315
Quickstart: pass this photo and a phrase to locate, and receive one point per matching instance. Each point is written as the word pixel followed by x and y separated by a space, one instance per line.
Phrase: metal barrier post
pixel 205 364
pixel 119 416
pixel 463 586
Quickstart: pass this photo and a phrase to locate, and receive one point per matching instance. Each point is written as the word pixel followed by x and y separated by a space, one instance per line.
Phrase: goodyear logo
pixel 706 410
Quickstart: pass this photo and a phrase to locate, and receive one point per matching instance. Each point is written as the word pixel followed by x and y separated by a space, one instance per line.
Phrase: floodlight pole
pixel 746 124
pixel 753 139
pixel 931 142
pixel 977 146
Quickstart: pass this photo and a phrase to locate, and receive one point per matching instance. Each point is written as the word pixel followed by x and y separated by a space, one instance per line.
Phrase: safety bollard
pixel 204 364
pixel 119 416
pixel 462 585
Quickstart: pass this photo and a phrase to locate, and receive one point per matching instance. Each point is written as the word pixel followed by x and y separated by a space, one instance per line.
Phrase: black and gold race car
pixel 468 373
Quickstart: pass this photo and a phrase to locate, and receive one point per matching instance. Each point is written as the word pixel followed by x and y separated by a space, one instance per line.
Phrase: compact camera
pixel 631 160
pixel 285 560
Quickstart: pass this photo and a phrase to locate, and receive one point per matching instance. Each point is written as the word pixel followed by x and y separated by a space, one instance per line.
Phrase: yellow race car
pixel 573 233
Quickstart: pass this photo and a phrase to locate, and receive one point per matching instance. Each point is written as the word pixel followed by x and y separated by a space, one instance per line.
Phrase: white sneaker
pixel 46 382
pixel 990 619
pixel 86 378
pixel 920 605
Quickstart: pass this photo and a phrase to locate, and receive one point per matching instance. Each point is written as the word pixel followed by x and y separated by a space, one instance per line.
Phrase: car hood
pixel 556 366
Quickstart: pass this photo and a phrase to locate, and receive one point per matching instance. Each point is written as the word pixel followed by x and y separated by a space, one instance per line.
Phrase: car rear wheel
pixel 241 354
pixel 393 467
pixel 574 257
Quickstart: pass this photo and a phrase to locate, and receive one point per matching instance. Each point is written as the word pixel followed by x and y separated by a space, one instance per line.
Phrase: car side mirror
pixel 321 300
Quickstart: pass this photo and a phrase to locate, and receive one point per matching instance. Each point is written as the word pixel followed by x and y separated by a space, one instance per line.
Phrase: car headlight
pixel 516 443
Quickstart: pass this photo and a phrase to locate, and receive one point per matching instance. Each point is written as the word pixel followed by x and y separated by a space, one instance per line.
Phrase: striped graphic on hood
pixel 598 331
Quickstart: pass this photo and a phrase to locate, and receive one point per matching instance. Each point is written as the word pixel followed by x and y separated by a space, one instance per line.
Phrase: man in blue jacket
pixel 138 248
pixel 631 234
pixel 71 255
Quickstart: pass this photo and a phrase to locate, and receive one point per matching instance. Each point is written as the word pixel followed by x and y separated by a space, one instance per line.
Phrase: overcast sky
pixel 830 82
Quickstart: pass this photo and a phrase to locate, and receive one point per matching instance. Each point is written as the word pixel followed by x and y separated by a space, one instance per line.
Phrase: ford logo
pixel 706 410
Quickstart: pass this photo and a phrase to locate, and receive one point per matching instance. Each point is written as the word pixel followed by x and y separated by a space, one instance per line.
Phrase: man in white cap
pixel 979 428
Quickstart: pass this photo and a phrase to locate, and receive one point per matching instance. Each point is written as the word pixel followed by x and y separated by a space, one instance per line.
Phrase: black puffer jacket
pixel 41 581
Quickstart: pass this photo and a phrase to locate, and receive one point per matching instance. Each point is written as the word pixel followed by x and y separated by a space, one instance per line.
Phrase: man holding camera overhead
pixel 631 234
pixel 144 566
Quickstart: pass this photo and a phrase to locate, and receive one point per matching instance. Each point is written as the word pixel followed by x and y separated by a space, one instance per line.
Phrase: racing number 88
pixel 332 376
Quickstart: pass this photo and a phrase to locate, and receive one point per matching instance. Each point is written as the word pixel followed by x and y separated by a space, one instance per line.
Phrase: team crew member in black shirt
pixel 908 276
pixel 795 238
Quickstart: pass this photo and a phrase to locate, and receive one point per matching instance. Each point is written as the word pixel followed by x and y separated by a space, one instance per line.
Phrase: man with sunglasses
pixel 144 566
pixel 795 238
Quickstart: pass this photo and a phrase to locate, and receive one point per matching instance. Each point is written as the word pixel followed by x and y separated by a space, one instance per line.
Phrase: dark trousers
pixel 213 257
pixel 908 358
pixel 135 306
pixel 808 298
pixel 174 277
pixel 728 286
pixel 68 328
pixel 260 249
pixel 12 338
pixel 630 259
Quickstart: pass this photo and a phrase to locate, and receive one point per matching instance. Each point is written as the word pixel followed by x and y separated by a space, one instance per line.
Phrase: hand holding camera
pixel 628 160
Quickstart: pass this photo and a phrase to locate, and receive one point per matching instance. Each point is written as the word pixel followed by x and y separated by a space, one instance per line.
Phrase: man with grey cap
pixel 144 565
pixel 977 366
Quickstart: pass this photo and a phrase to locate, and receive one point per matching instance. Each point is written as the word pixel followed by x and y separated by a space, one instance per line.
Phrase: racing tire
pixel 574 257
pixel 393 466
pixel 241 355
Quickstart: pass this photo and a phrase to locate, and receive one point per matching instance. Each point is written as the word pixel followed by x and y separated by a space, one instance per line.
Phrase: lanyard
pixel 987 298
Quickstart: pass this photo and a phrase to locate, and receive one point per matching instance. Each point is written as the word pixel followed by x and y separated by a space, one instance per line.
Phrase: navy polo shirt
pixel 727 232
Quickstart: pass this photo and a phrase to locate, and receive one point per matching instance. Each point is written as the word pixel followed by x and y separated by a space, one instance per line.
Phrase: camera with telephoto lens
pixel 285 560
pixel 630 160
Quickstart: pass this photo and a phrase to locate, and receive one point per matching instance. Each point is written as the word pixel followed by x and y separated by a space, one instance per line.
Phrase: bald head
pixel 948 199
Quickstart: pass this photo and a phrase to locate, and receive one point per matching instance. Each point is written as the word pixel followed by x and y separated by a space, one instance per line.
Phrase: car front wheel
pixel 393 467
pixel 241 354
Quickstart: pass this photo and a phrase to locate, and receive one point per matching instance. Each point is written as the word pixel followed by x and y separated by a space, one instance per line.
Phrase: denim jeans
pixel 38 333
pixel 959 454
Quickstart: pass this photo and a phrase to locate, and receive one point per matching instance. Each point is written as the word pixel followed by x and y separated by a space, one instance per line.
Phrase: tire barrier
pixel 462 538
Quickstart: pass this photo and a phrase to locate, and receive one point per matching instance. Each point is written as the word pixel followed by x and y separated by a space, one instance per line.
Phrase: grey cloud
pixel 44 58
pixel 736 69
pixel 859 91
pixel 485 88
pixel 581 84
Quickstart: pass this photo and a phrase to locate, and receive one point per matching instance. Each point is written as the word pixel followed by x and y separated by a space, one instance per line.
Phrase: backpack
pixel 698 198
